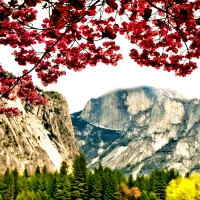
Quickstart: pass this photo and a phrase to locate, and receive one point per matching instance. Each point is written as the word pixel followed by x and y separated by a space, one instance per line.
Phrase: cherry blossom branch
pixel 28 72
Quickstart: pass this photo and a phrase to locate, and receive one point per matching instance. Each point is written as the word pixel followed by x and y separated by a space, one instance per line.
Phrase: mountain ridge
pixel 151 124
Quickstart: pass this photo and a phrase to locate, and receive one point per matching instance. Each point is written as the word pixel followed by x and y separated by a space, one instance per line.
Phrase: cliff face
pixel 40 136
pixel 156 129
pixel 114 109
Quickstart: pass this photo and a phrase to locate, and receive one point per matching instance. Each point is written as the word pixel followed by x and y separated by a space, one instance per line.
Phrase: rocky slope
pixel 153 128
pixel 40 136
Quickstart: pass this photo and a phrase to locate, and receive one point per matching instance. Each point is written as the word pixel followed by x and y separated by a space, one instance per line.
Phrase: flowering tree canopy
pixel 76 33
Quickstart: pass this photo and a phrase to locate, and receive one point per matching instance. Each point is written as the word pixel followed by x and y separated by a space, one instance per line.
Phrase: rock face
pixel 40 136
pixel 93 140
pixel 114 109
pixel 153 128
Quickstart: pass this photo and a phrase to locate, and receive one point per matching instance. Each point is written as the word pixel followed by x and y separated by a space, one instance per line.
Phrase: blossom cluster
pixel 164 34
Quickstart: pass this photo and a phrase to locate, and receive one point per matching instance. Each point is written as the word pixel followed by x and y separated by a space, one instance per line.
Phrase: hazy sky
pixel 79 87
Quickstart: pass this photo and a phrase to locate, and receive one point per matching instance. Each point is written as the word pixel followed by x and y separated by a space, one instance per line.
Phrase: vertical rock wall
pixel 40 136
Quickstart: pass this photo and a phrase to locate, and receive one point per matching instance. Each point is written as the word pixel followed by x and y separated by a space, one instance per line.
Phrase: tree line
pixel 99 184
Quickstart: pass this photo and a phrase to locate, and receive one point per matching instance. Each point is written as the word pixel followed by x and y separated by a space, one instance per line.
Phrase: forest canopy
pixel 102 183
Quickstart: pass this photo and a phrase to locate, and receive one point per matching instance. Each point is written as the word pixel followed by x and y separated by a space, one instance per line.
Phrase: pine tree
pixel 51 186
pixel 22 184
pixel 41 196
pixel 43 179
pixel 15 174
pixel 21 196
pixel 144 196
pixel 90 181
pixel 152 196
pixel 38 196
pixel 142 182
pixel 26 173
pixel 27 195
pixel 120 177
pixel 158 183
pixel 160 189
pixel 37 171
pixel 172 174
pixel 130 181
pixel 7 186
pixel 95 186
pixel 79 180
pixel 35 183
pixel 110 185
pixel 46 182
pixel 63 168
pixel 62 188
pixel 100 169
pixel 44 170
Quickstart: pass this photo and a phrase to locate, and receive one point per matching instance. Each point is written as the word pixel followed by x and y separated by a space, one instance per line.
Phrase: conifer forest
pixel 98 184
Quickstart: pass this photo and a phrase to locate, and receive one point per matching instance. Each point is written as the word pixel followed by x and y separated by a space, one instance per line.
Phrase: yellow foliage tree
pixel 195 177
pixel 182 189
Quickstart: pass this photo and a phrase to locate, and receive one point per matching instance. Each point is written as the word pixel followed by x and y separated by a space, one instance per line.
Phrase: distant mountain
pixel 113 110
pixel 138 130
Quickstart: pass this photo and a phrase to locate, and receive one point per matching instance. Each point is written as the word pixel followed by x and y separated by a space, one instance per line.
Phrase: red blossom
pixel 109 33
pixel 147 14
pixel 78 33
pixel 10 111
pixel 78 4
pixel 112 4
